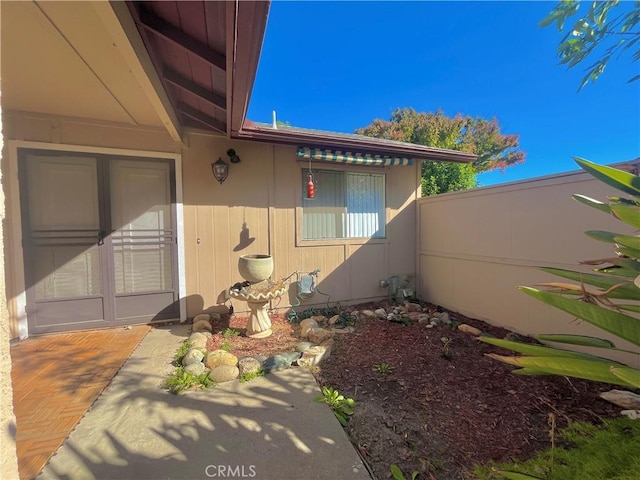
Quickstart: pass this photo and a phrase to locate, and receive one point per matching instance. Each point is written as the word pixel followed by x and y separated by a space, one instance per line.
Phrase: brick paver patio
pixel 56 379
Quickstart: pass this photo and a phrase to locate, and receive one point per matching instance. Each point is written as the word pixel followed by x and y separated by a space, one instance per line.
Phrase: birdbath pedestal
pixel 257 296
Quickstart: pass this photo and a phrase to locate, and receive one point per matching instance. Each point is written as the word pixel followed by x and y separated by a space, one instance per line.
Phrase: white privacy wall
pixel 476 247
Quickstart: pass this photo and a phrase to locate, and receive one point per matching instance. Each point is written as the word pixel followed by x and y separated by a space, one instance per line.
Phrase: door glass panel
pixel 142 268
pixel 64 224
pixel 141 220
pixel 63 193
pixel 67 271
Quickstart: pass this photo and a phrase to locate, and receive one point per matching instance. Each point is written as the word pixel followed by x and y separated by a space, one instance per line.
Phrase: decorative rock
pixel 444 318
pixel 194 355
pixel 314 356
pixel 434 320
pixel 381 313
pixel 306 325
pixel 195 368
pixel 622 398
pixel 463 327
pixel 219 358
pixel 224 373
pixel 302 346
pixel 319 335
pixel 200 317
pixel 631 414
pixel 201 326
pixel 261 358
pixel 248 365
pixel 329 342
pixel 291 356
pixel 369 314
pixel 198 340
pixel 277 362
pixel 424 320
pixel 431 325
pixel 413 307
pixel 319 319
pixel 340 331
pixel 333 320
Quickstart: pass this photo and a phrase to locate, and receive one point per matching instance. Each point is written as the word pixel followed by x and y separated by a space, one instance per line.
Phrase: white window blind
pixel 346 205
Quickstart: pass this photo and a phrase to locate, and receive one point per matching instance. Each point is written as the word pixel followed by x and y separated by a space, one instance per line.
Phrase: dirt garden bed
pixel 440 406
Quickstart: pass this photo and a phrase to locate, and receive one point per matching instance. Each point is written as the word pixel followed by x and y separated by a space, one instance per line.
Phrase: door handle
pixel 101 235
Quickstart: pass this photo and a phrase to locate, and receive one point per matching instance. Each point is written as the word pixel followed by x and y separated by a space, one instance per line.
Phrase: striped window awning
pixel 351 157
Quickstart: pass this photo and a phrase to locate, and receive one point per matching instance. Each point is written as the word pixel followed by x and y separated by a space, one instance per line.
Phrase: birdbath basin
pixel 257 296
pixel 255 268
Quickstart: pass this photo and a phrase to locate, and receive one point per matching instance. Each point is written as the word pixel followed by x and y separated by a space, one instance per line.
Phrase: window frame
pixel 319 165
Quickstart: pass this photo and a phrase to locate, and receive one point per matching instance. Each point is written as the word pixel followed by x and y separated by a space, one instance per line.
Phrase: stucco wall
pixel 477 246
pixel 263 191
pixel 8 460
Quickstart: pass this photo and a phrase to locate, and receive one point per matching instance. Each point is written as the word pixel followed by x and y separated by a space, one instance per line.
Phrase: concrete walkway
pixel 268 428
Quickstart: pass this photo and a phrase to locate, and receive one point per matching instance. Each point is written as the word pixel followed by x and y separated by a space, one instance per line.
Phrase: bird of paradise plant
pixel 600 298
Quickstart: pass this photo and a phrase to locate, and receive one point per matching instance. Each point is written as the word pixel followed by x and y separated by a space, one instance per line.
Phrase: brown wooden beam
pixel 183 83
pixel 201 117
pixel 157 25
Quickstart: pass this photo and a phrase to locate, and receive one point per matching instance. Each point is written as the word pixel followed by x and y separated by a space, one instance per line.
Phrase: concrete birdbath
pixel 260 290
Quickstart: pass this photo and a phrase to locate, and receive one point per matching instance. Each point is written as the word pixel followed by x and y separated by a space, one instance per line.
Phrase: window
pixel 346 205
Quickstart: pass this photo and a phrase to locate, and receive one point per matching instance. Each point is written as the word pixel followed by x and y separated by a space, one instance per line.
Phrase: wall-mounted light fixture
pixel 220 170
pixel 232 156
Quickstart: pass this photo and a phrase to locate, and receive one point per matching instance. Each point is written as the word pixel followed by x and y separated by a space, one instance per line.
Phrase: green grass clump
pixel 181 352
pixel 246 377
pixel 230 332
pixel 181 380
pixel 587 452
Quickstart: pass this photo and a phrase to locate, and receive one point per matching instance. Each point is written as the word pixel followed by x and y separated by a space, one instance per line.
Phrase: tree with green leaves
pixel 474 135
pixel 604 31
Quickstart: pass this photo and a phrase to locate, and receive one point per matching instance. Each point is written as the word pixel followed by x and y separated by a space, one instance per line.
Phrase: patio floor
pixel 56 378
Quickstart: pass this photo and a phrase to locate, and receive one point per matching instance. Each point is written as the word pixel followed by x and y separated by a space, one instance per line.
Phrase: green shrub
pixel 342 407
pixel 181 380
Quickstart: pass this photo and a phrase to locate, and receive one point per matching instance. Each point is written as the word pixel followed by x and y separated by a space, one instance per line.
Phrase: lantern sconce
pixel 220 168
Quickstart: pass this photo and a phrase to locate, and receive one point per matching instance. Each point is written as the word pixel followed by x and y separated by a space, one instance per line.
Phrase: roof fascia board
pixel 313 139
pixel 118 21
pixel 244 40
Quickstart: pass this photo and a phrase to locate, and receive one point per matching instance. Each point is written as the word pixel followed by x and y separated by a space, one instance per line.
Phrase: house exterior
pixel 113 114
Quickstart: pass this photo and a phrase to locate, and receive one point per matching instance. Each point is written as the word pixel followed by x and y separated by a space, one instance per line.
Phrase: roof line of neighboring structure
pixel 336 140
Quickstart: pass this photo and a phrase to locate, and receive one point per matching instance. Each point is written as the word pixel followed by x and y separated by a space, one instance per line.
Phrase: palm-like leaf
pixel 620 280
pixel 624 326
pixel 595 370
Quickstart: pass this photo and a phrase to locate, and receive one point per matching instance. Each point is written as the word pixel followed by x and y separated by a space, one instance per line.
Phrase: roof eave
pixel 364 144
pixel 244 40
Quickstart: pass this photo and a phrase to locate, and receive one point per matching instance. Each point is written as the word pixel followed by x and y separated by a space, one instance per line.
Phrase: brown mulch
pixel 438 412
pixel 283 338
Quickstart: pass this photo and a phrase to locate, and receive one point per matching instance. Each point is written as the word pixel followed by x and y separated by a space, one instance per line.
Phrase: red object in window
pixel 311 188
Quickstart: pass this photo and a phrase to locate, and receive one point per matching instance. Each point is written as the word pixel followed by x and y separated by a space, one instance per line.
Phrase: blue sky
pixel 338 65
